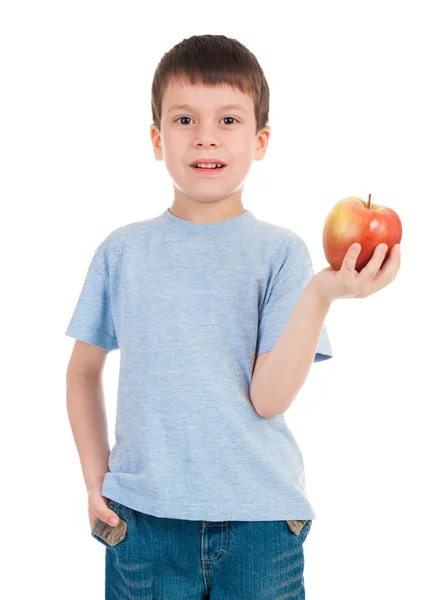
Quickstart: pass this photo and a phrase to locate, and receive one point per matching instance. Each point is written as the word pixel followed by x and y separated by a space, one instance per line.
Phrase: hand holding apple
pixel 331 284
pixel 353 220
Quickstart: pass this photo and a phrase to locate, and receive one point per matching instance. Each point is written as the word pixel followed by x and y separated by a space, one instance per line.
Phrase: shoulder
pixel 125 236
pixel 282 241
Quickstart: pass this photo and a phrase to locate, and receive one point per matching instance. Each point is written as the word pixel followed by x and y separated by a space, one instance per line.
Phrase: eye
pixel 231 118
pixel 178 118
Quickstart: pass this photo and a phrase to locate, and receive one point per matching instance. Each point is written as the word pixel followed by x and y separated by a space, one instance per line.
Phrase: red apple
pixel 354 220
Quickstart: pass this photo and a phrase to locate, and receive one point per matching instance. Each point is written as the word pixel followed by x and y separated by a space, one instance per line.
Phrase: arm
pixel 277 382
pixel 86 411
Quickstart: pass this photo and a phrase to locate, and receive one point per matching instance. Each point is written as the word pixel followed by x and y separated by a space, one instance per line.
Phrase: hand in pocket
pixel 98 509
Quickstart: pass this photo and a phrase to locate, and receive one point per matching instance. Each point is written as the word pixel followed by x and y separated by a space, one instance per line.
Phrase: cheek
pixel 172 143
pixel 173 156
pixel 242 159
pixel 243 148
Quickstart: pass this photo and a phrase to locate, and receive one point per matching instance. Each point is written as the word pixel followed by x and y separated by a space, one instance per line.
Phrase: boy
pixel 218 317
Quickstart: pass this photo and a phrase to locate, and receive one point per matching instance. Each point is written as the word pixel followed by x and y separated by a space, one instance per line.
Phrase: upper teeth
pixel 208 165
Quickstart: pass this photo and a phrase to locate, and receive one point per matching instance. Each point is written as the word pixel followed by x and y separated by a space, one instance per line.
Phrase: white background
pixel 357 107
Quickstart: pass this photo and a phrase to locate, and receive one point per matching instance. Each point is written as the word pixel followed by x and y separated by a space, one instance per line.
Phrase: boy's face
pixel 207 130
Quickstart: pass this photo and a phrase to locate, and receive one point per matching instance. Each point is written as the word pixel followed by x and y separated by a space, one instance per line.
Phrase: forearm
pixel 88 421
pixel 280 378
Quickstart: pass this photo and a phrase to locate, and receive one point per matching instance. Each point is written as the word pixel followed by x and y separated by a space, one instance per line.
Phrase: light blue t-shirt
pixel 190 306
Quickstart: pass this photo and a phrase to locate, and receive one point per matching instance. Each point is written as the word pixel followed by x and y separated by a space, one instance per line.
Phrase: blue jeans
pixel 154 558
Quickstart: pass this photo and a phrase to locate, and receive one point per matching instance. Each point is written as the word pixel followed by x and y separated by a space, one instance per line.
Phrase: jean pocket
pixel 108 535
pixel 298 526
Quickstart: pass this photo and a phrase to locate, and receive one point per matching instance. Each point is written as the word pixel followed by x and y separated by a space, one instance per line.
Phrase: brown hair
pixel 212 60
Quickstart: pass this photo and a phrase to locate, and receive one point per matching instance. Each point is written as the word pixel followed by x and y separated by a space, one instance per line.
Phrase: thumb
pixel 110 517
pixel 114 520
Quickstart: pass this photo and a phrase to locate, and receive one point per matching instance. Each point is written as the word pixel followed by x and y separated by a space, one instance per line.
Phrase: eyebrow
pixel 191 108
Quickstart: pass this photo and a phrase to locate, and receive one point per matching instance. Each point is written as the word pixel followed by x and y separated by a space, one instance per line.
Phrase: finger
pixel 349 262
pixel 373 266
pixel 389 270
pixel 107 515
pixel 112 518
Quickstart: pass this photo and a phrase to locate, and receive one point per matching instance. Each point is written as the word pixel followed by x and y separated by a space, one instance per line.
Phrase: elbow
pixel 259 408
pixel 269 409
pixel 271 412
pixel 266 414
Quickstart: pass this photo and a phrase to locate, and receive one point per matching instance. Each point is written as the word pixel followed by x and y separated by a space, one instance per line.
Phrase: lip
pixel 208 161
pixel 207 172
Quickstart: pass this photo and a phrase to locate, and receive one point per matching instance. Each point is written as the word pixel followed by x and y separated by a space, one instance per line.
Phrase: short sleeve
pixel 92 319
pixel 293 276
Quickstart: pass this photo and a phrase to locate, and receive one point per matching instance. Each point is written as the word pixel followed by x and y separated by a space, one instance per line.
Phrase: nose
pixel 202 142
pixel 206 138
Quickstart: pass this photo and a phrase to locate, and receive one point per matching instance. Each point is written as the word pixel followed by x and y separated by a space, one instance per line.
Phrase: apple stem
pixel 368 205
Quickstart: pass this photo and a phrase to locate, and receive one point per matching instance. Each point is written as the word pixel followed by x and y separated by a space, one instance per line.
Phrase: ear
pixel 262 142
pixel 155 136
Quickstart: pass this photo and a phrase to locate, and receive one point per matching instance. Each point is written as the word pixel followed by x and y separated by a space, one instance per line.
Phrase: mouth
pixel 208 171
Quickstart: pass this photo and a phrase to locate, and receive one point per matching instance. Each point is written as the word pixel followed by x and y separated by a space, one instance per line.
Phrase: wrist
pixel 318 293
pixel 95 484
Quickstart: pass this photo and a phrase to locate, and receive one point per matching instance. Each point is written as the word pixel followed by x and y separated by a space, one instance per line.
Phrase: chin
pixel 205 196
